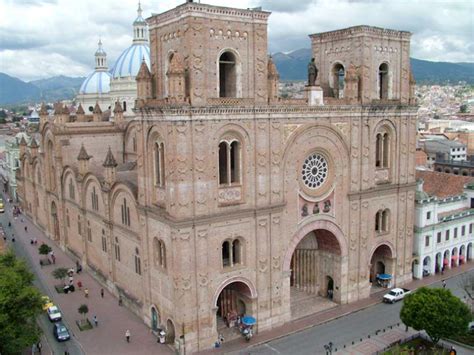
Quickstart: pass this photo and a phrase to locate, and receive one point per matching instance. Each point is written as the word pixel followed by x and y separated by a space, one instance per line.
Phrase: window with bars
pixel 94 199
pixel 104 242
pixel 138 265
pixel 125 213
pixel 117 249
pixel 72 192
pixel 159 163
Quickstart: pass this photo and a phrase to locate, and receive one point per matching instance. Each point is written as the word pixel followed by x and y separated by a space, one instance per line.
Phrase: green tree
pixel 2 120
pixel 20 304
pixel 463 108
pixel 436 311
pixel 44 249
pixel 83 309
pixel 60 273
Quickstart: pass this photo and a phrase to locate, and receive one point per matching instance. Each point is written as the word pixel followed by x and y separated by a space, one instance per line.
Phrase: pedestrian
pixel 127 335
pixel 102 292
pixel 120 300
pixel 444 283
pixel 86 292
pixel 39 346
pixel 26 229
pixel 9 223
pixel 96 322
pixel 452 351
pixel 71 280
pixel 13 237
pixel 53 258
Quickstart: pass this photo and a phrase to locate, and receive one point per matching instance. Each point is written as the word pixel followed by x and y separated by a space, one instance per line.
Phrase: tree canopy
pixel 44 249
pixel 436 311
pixel 60 273
pixel 20 304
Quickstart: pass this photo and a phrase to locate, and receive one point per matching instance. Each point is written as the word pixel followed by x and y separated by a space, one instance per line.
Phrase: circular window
pixel 315 171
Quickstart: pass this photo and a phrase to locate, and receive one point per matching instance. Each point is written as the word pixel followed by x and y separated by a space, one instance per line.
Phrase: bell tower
pixel 224 53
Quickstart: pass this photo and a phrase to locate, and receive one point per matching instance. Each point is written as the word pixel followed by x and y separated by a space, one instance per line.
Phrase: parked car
pixel 54 314
pixel 46 303
pixel 60 332
pixel 395 295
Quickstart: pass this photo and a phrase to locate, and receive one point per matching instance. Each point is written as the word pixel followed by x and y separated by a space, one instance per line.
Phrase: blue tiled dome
pixel 98 82
pixel 130 60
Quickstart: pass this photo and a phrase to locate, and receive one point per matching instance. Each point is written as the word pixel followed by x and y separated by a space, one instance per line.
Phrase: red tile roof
pixel 442 185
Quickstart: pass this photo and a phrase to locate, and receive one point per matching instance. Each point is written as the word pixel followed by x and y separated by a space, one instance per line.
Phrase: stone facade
pixel 221 198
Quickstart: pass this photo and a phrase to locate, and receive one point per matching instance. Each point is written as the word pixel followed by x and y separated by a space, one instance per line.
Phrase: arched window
pixel 125 105
pixel 104 242
pixel 94 199
pixel 338 75
pixel 68 221
pixel 159 253
pixel 72 194
pixel 79 224
pixel 138 264
pixel 230 162
pixel 227 75
pixel 382 221
pixel 236 252
pixel 159 163
pixel 134 144
pixel 125 213
pixel 117 249
pixel 382 150
pixel 89 231
pixel 383 81
pixel 226 253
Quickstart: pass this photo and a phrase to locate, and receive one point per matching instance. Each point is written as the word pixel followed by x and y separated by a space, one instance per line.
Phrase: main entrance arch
pixel 381 262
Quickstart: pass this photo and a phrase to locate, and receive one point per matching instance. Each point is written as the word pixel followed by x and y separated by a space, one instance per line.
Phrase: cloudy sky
pixel 43 38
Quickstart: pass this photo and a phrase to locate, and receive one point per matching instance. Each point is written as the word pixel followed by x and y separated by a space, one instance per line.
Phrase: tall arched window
pixel 236 252
pixel 125 106
pixel 159 253
pixel 231 253
pixel 117 249
pixel 226 253
pixel 382 150
pixel 125 213
pixel 338 75
pixel 72 194
pixel 230 156
pixel 159 163
pixel 138 264
pixel 228 75
pixel 94 200
pixel 383 81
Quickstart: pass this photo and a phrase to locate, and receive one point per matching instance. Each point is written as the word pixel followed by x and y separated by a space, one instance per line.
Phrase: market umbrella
pixel 384 276
pixel 249 320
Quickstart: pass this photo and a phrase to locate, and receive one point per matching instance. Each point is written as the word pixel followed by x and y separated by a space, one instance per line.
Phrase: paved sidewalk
pixel 113 320
pixel 298 325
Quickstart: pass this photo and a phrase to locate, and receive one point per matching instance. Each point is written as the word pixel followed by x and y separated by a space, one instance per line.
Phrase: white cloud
pixel 40 38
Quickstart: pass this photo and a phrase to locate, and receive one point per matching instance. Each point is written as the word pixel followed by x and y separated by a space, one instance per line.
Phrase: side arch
pixel 245 281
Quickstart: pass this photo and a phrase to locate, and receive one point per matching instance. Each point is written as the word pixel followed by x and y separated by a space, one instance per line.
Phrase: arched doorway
pixel 155 319
pixel 170 332
pixel 469 252
pixel 338 75
pixel 454 257
pixel 315 273
pixel 446 259
pixel 427 266
pixel 234 300
pixel 439 263
pixel 54 221
pixel 381 262
pixel 462 254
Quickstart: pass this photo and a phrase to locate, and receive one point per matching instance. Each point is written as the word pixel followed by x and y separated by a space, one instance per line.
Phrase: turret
pixel 144 84
pixel 61 114
pixel 110 166
pixel 118 112
pixel 34 147
pixel 80 114
pixel 83 159
pixel 97 114
pixel 43 113
pixel 273 81
pixel 23 145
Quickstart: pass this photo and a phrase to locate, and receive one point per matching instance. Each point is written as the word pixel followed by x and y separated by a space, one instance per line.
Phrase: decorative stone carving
pixel 262 265
pixel 276 262
pixel 304 210
pixel 230 195
pixel 203 280
pixel 316 209
pixel 327 206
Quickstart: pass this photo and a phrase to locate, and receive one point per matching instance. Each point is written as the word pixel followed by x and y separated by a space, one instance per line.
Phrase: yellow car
pixel 46 303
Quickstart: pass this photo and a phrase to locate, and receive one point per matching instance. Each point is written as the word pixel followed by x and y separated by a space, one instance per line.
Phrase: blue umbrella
pixel 249 320
pixel 384 276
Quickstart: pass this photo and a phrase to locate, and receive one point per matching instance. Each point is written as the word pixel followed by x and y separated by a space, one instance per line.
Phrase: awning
pixel 384 276
pixel 461 257
pixel 446 262
pixel 454 257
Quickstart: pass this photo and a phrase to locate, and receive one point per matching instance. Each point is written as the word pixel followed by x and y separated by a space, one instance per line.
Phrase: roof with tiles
pixel 443 185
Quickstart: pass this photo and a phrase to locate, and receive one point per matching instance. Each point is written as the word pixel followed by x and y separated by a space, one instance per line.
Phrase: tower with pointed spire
pixel 140 27
pixel 101 58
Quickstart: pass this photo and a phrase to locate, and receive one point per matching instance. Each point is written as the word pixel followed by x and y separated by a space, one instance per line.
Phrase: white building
pixel 444 219
pixel 443 148
pixel 12 160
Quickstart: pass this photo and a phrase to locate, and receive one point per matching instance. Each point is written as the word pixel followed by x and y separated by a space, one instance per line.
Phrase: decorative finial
pixel 139 9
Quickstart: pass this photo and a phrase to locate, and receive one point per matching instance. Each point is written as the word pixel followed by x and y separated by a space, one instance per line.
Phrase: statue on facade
pixel 312 73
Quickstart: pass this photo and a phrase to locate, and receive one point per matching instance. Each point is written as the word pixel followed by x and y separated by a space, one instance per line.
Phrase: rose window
pixel 315 171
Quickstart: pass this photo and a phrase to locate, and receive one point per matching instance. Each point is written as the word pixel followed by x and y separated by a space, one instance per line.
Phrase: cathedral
pixel 219 198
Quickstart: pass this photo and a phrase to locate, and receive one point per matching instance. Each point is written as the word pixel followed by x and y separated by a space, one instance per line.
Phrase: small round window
pixel 315 171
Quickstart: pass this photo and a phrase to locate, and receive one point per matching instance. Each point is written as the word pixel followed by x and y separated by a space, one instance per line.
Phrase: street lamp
pixel 328 348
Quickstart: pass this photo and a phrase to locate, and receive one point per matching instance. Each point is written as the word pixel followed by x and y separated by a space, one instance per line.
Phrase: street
pixel 344 330
pixel 72 346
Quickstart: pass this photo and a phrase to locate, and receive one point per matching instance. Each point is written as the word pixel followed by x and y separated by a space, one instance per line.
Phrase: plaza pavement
pixel 113 320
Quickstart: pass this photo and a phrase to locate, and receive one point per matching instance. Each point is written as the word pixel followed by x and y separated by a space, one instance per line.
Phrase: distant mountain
pixel 292 66
pixel 16 91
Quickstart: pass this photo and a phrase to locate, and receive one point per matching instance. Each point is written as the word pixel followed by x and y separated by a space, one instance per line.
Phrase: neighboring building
pixel 444 222
pixel 421 158
pixel 12 158
pixel 443 148
pixel 465 137
pixel 221 198
pixel 464 168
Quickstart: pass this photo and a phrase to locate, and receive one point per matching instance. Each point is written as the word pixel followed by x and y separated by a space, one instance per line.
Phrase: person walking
pixel 120 300
pixel 444 283
pixel 102 292
pixel 96 322
pixel 26 229
pixel 86 292
pixel 127 335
